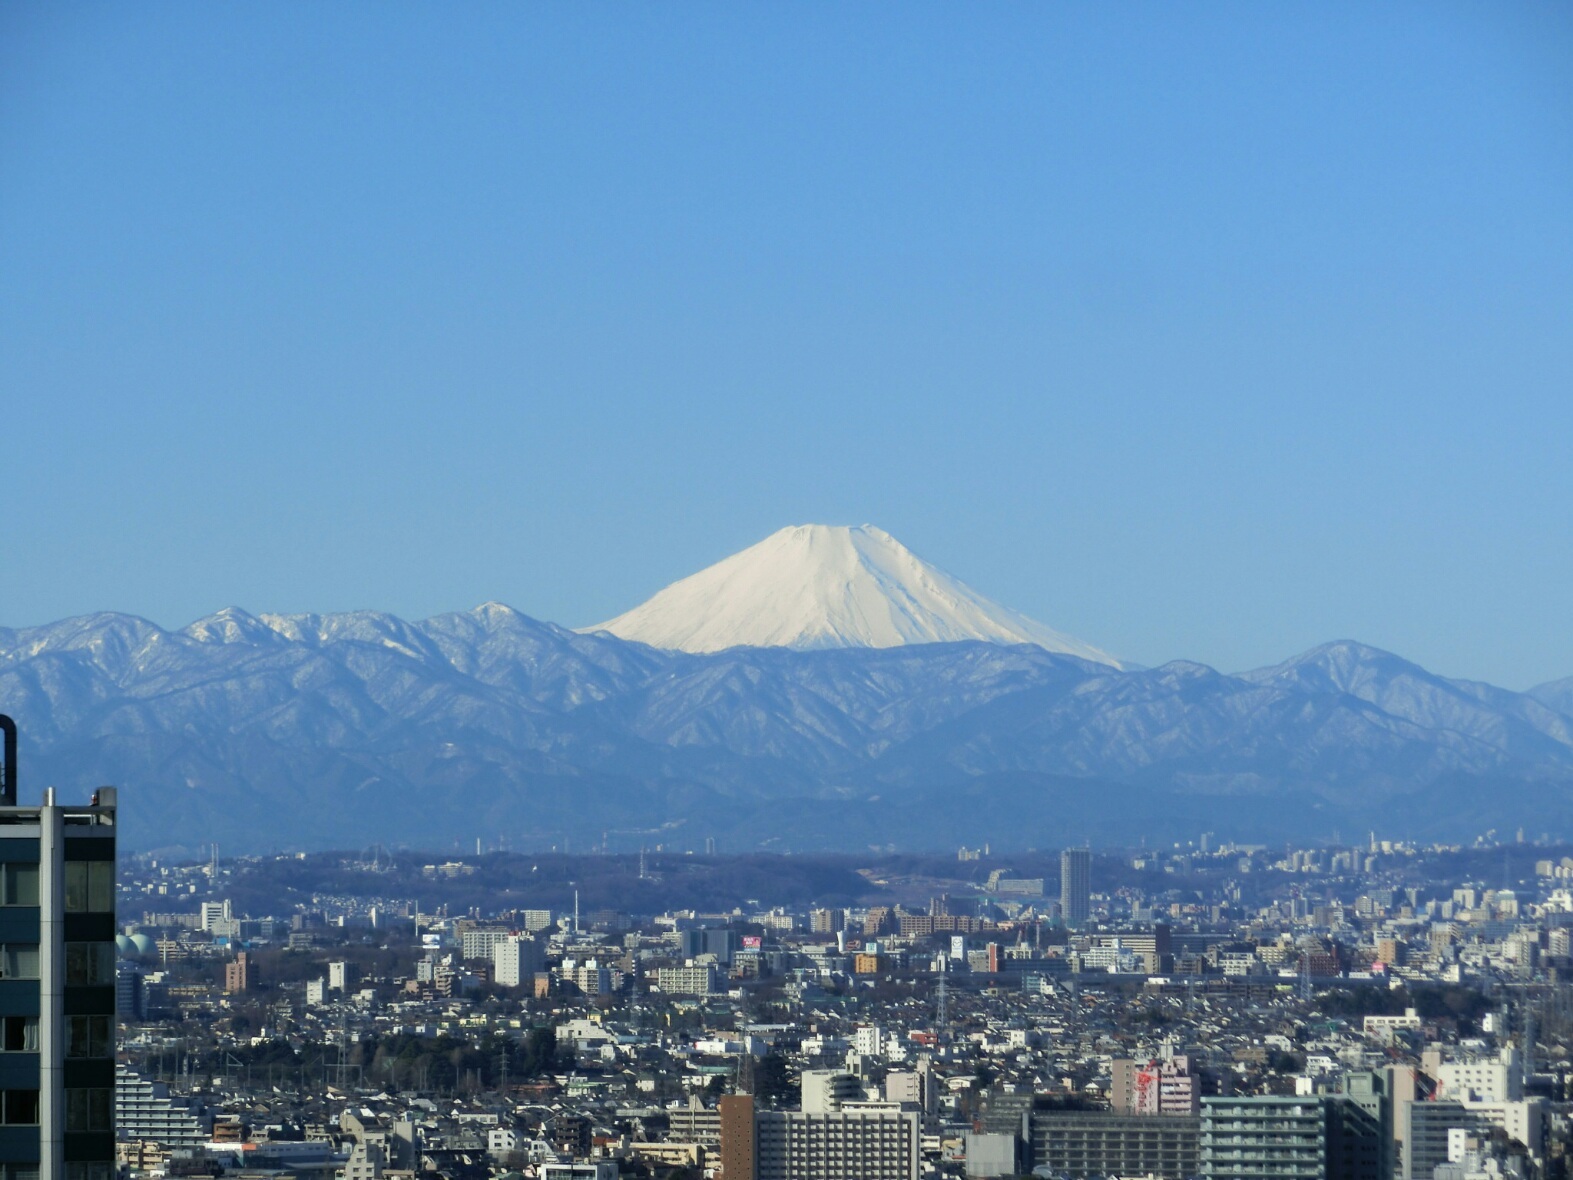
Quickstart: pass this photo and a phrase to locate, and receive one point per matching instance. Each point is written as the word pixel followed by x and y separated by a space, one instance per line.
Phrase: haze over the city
pixel 1208 333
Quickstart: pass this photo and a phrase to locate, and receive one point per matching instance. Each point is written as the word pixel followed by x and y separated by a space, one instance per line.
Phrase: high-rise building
pixel 144 1112
pixel 57 998
pixel 1154 1087
pixel 1075 885
pixel 588 976
pixel 215 913
pixel 1324 1137
pixel 238 975
pixel 826 1089
pixel 691 980
pixel 912 1087
pixel 1254 1138
pixel 516 959
pixel 1081 1143
pixel 130 995
pixel 871 1141
pixel 478 944
pixel 827 921
pixel 720 941
pixel 342 977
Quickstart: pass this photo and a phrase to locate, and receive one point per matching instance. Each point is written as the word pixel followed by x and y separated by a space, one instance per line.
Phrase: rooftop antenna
pixel 8 772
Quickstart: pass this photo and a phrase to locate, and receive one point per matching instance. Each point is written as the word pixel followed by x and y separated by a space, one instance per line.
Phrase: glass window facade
pixel 90 887
pixel 19 960
pixel 18 885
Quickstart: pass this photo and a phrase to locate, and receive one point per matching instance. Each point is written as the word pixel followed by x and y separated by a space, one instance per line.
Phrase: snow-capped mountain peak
pixel 824 586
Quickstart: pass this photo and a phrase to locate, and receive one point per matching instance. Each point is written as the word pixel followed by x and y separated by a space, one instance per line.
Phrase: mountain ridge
pixel 305 730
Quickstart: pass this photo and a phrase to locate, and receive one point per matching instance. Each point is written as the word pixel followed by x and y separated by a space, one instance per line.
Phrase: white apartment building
pixel 694 979
pixel 825 1090
pixel 1481 1079
pixel 869 1040
pixel 144 1111
pixel 516 959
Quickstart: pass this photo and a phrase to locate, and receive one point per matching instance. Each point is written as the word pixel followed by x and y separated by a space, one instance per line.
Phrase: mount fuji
pixel 816 586
pixel 822 689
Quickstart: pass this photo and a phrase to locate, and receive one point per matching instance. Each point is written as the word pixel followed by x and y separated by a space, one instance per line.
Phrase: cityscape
pixel 1371 1010
pixel 597 591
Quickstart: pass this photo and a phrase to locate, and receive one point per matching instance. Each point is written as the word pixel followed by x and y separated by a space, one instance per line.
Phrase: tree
pixel 539 1053
pixel 772 1081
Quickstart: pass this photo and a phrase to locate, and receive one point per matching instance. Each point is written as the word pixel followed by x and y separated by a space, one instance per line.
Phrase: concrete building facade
pixel 57 981
pixel 1075 885
pixel 876 1141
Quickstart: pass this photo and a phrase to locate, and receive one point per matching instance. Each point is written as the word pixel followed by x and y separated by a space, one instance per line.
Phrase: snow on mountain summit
pixel 824 586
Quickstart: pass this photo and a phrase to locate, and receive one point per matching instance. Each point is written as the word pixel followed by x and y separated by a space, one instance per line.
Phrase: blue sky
pixel 1196 331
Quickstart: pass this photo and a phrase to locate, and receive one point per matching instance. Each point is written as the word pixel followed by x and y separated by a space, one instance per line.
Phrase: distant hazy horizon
pixel 1194 333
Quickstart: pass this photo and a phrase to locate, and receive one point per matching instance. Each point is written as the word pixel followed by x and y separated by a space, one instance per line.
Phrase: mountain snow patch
pixel 824 586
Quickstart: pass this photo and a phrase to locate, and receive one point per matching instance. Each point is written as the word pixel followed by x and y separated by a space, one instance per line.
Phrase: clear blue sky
pixel 1198 331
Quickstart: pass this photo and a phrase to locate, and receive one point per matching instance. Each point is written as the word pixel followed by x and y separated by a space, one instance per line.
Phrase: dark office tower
pixel 57 984
pixel 1075 885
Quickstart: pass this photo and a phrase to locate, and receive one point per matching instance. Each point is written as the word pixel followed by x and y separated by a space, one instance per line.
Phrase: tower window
pixel 19 1034
pixel 87 962
pixel 19 960
pixel 88 1036
pixel 18 1107
pixel 87 1109
pixel 90 886
pixel 18 884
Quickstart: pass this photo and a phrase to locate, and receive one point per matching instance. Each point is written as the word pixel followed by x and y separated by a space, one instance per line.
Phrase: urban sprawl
pixel 1374 1010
